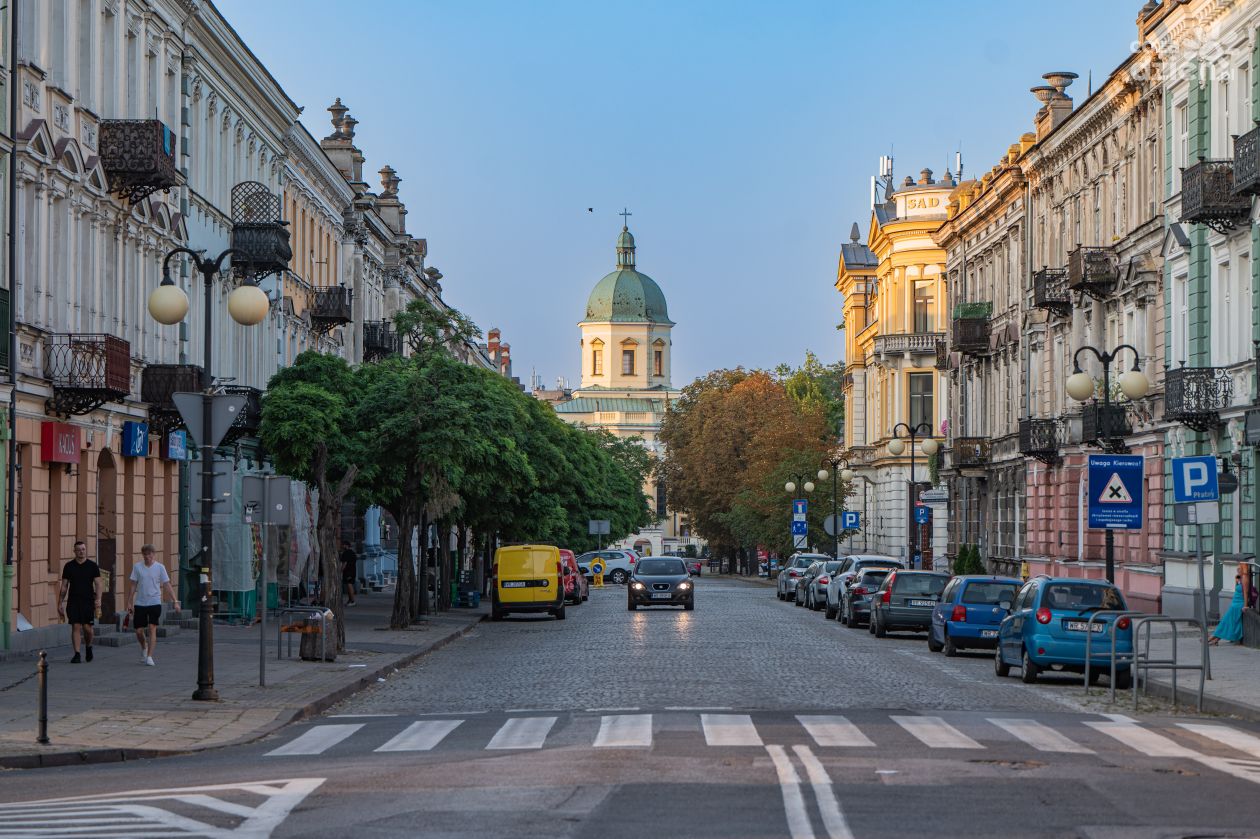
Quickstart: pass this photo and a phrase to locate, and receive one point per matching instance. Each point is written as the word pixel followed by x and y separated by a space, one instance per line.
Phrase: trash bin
pixel 319 638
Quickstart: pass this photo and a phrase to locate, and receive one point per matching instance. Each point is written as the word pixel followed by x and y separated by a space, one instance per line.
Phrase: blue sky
pixel 742 136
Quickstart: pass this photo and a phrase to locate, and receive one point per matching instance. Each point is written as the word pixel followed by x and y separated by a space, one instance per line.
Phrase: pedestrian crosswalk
pixel 960 734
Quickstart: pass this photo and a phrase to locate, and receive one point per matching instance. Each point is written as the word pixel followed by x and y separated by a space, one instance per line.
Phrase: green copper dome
pixel 626 295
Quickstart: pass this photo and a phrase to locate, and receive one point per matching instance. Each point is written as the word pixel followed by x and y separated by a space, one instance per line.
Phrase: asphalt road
pixel 745 718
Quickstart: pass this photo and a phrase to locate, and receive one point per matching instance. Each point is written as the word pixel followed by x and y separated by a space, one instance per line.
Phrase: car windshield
pixel 919 584
pixel 988 593
pixel 831 567
pixel 661 567
pixel 878 563
pixel 1078 597
pixel 802 562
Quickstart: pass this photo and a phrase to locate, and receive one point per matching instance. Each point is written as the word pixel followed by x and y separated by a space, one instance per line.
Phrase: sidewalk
pixel 1234 688
pixel 116 708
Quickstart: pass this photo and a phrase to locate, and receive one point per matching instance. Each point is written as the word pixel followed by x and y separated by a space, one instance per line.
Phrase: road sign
pixel 922 514
pixel 1194 479
pixel 223 473
pixel 597 567
pixel 800 543
pixel 929 496
pixel 800 528
pixel 597 527
pixel 800 507
pixel 851 520
pixel 266 497
pixel 224 410
pixel 1200 512
pixel 1115 491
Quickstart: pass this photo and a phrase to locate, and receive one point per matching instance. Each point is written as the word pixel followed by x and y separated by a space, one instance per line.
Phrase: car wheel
pixel 870 622
pixel 1028 670
pixel 1094 675
pixel 1124 679
pixel 933 646
pixel 619 577
pixel 1000 667
pixel 948 646
pixel 817 604
pixel 830 611
pixel 691 605
pixel 496 614
pixel 878 622
pixel 630 605
pixel 559 613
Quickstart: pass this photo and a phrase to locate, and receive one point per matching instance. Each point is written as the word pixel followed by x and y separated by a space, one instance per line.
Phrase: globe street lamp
pixel 839 471
pixel 805 485
pixel 897 446
pixel 1134 385
pixel 168 304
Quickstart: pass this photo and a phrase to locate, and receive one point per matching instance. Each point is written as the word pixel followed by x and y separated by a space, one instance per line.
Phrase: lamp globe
pixel 790 486
pixel 1080 386
pixel 846 475
pixel 1134 384
pixel 930 446
pixel 809 486
pixel 896 446
pixel 168 304
pixel 823 474
pixel 248 305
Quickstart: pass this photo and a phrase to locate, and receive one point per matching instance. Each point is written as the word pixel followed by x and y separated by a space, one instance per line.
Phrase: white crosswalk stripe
pixel 622 731
pixel 729 730
pixel 1142 740
pixel 935 733
pixel 420 736
pixel 315 741
pixel 833 731
pixel 1040 737
pixel 522 733
pixel 1232 737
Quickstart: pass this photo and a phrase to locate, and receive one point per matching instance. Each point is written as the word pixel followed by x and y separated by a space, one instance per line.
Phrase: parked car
pixel 816 585
pixel 852 565
pixel 693 566
pixel 618 563
pixel 1048 624
pixel 785 585
pixel 660 581
pixel 576 588
pixel 803 582
pixel 527 578
pixel 855 608
pixel 969 612
pixel 905 600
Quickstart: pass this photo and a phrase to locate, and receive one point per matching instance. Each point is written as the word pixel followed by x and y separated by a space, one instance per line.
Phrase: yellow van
pixel 527 578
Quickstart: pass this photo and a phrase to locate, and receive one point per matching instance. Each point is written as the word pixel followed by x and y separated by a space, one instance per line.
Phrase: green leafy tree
pixel 817 387
pixel 428 328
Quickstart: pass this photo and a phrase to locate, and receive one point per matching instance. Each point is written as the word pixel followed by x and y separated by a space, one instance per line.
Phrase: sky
pixel 741 135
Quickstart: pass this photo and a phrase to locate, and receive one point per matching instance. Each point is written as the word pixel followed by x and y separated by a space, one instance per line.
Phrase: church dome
pixel 627 295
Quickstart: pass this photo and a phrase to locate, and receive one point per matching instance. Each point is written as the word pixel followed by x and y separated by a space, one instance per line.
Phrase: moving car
pixel 785 585
pixel 527 578
pixel 968 615
pixel 660 581
pixel 618 563
pixel 816 586
pixel 1049 622
pixel 576 588
pixel 855 608
pixel 853 565
pixel 905 600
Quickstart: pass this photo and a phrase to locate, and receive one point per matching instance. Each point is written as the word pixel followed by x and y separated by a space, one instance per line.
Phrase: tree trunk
pixel 327 530
pixel 423 605
pixel 403 591
pixel 443 585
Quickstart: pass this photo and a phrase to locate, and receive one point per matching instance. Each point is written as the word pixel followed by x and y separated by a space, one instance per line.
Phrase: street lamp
pixel 1133 384
pixel 839 471
pixel 168 304
pixel 806 485
pixel 897 446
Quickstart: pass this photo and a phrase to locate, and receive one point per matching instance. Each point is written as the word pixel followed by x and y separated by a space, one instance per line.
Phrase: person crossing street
pixel 149 578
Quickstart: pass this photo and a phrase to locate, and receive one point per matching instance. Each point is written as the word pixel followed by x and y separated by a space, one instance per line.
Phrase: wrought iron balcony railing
pixel 249 420
pixel 970 452
pixel 971 329
pixel 1207 196
pixel 138 156
pixel 1039 438
pixel 258 232
pixel 1195 396
pixel 1105 426
pixel 1095 271
pixel 330 308
pixel 942 355
pixel 158 385
pixel 1050 291
pixel 380 340
pixel 1247 163
pixel 86 371
pixel 920 343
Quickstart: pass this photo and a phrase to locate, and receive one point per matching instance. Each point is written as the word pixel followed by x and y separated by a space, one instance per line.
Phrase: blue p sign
pixel 1194 479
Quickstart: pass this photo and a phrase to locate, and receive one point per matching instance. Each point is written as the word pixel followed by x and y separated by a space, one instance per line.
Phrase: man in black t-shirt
pixel 79 599
pixel 349 567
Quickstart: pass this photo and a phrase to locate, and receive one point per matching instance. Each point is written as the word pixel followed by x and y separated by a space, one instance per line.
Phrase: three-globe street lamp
pixel 1133 384
pixel 168 304
pixel 839 471
pixel 896 446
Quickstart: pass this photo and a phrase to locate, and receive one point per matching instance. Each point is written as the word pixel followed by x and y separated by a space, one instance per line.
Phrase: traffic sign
pixel 800 543
pixel 266 496
pixel 851 520
pixel 224 409
pixel 922 514
pixel 1200 512
pixel 597 527
pixel 800 528
pixel 597 567
pixel 1115 491
pixel 800 507
pixel 1194 479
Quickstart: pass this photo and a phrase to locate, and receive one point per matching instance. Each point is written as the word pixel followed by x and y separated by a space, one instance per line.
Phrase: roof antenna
pixel 1091 83
pixel 958 164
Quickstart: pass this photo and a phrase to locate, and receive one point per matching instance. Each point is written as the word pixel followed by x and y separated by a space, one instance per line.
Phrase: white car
pixel 618 563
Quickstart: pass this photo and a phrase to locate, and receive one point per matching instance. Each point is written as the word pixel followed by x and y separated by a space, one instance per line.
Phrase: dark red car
pixel 576 588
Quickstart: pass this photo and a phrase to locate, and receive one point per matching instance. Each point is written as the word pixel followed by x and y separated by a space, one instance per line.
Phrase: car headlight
pixel 637 586
pixel 684 585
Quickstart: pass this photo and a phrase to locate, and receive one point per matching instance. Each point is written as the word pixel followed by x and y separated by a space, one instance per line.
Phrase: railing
pixel 1105 425
pixel 1050 290
pixel 1247 163
pixel 86 370
pixel 138 156
pixel 971 452
pixel 380 340
pixel 158 385
pixel 250 418
pixel 1094 271
pixel 330 307
pixel 1195 396
pixel 914 342
pixel 942 355
pixel 971 335
pixel 1039 438
pixel 258 232
pixel 1207 196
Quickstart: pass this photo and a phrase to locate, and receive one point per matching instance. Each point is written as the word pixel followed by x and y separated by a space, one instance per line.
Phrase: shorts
pixel 347 579
pixel 142 616
pixel 82 612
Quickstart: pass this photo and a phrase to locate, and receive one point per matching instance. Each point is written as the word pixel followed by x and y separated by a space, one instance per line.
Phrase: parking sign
pixel 1194 479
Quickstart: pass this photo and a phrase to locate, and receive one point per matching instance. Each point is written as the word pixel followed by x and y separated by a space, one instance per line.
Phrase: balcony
pixel 1050 291
pixel 915 343
pixel 330 308
pixel 1094 271
pixel 971 452
pixel 380 340
pixel 158 385
pixel 258 233
pixel 1247 163
pixel 138 156
pixel 85 371
pixel 971 328
pixel 942 356
pixel 1039 438
pixel 1105 426
pixel 1207 196
pixel 250 419
pixel 1195 396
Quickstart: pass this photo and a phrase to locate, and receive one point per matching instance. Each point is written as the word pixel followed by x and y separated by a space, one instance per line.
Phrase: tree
pixel 817 386
pixel 427 328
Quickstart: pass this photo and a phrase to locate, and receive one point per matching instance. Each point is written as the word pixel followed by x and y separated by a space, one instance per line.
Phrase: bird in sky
pixel 590 209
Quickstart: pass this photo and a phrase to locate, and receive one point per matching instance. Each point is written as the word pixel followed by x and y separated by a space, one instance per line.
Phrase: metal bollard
pixel 42 670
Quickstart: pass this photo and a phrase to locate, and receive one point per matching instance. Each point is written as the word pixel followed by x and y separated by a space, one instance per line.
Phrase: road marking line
pixel 833 818
pixel 696 708
pixel 935 733
pixel 729 730
pixel 420 736
pixel 1139 739
pixel 1119 718
pixel 833 731
pixel 316 740
pixel 522 733
pixel 793 801
pixel 624 731
pixel 1040 737
pixel 610 710
pixel 1232 737
pixel 357 716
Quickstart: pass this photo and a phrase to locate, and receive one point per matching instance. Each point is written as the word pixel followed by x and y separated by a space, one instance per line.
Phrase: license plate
pixel 988 633
pixel 662 595
pixel 922 602
pixel 1084 626
pixel 514 584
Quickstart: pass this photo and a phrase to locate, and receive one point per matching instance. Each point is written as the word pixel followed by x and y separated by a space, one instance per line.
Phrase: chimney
pixel 492 341
pixel 925 177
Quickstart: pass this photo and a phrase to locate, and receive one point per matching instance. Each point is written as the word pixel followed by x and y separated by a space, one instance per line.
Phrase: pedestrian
pixel 148 579
pixel 1230 628
pixel 349 568
pixel 79 599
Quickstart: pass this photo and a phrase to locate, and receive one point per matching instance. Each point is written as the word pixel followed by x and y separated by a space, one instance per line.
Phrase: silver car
pixel 816 586
pixel 842 579
pixel 791 573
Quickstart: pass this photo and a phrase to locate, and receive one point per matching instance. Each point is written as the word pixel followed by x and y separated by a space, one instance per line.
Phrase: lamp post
pixel 1134 385
pixel 168 304
pixel 839 471
pixel 806 485
pixel 896 446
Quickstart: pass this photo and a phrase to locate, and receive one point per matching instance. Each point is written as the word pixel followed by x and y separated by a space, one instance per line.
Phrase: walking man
pixel 149 578
pixel 349 568
pixel 79 599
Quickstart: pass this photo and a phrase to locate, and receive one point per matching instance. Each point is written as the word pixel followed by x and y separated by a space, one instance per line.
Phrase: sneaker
pixel 149 660
pixel 76 659
pixel 89 653
pixel 144 656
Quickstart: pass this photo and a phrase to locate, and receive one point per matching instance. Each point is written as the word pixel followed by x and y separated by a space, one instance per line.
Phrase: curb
pixel 1211 704
pixel 82 757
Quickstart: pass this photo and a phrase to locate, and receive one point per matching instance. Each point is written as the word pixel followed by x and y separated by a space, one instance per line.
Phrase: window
pixel 658 363
pixel 1181 151
pixel 597 362
pixel 627 362
pixel 921 399
pixel 1180 346
pixel 923 300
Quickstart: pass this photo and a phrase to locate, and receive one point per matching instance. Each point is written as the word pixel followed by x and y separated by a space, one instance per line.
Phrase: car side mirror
pixel 1005 604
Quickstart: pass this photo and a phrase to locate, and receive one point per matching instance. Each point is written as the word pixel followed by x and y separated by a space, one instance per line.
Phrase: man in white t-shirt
pixel 148 580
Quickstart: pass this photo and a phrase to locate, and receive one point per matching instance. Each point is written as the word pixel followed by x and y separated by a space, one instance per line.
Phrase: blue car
pixel 1048 624
pixel 968 615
